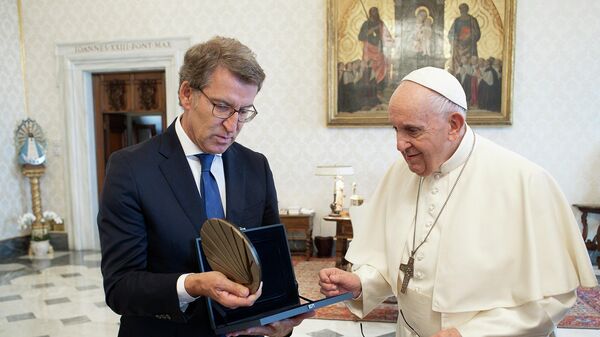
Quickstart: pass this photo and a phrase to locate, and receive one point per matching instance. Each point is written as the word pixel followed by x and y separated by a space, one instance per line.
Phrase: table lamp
pixel 336 171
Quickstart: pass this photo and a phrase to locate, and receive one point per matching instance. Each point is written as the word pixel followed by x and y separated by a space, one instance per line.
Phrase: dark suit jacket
pixel 150 214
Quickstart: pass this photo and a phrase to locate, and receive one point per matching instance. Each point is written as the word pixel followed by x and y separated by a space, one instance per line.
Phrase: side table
pixel 343 233
pixel 585 209
pixel 302 223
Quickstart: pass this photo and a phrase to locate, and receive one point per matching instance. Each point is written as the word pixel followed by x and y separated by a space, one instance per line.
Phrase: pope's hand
pixel 217 286
pixel 452 332
pixel 334 281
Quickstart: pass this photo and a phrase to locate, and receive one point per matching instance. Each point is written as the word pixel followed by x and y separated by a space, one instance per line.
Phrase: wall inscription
pixel 122 46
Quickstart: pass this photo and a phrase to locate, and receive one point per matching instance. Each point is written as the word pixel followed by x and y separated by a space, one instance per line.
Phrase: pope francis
pixel 472 239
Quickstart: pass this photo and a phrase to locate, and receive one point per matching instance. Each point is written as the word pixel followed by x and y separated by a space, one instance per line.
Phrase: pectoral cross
pixel 408 270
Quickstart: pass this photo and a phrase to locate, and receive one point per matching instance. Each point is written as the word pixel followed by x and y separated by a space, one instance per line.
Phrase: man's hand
pixel 217 286
pixel 452 332
pixel 276 329
pixel 334 281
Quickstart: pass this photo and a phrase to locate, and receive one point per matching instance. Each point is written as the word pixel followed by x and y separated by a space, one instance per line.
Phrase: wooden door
pixel 129 108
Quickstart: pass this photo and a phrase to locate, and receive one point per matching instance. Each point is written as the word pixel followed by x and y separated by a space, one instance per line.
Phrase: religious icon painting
pixel 373 44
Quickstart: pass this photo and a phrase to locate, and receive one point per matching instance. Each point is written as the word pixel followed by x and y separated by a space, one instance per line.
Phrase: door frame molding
pixel 75 64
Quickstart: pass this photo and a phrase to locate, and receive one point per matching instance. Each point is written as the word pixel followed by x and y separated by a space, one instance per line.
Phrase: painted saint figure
pixel 375 36
pixel 463 36
pixel 423 33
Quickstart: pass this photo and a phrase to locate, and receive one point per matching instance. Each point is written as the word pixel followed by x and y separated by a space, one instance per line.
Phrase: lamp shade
pixel 334 170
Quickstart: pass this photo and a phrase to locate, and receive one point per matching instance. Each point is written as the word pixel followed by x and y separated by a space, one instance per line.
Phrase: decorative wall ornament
pixel 148 91
pixel 116 94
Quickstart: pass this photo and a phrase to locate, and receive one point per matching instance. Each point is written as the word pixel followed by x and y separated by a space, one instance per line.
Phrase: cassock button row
pixel 420 256
pixel 428 224
pixel 435 190
pixel 419 275
pixel 437 176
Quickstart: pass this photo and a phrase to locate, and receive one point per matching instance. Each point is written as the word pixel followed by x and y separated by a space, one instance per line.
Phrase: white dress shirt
pixel 191 150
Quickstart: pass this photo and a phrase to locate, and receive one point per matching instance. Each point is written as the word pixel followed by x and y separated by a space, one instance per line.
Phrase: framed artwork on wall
pixel 373 44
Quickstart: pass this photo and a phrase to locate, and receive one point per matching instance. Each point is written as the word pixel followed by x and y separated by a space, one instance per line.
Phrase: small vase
pixel 40 248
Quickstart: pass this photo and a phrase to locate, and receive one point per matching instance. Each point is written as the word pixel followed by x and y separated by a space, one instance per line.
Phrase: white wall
pixel 14 191
pixel 556 121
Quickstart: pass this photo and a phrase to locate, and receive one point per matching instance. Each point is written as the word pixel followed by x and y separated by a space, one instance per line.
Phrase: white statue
pixel 30 142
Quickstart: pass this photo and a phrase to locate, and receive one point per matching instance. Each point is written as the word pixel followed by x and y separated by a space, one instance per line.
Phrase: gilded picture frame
pixel 373 44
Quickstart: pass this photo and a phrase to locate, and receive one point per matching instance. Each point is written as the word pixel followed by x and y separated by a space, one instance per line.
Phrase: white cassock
pixel 504 258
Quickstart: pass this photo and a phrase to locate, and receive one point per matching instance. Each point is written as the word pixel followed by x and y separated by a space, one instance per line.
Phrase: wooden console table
pixel 343 233
pixel 302 223
pixel 585 209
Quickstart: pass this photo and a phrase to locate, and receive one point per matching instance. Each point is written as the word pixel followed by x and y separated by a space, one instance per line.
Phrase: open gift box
pixel 280 298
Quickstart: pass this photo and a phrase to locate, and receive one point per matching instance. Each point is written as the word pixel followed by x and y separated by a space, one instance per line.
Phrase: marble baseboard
pixel 14 247
pixel 59 240
pixel 19 246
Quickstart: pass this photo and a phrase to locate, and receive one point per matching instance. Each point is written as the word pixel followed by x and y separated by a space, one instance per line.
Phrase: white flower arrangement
pixel 52 217
pixel 25 221
pixel 48 218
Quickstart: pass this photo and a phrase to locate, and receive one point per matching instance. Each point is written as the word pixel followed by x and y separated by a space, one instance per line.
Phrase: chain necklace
pixel 409 267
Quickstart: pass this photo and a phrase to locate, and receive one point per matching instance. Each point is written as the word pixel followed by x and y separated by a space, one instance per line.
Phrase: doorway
pixel 129 108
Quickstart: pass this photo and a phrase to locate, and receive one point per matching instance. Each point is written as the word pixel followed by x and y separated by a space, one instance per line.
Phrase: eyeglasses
pixel 224 111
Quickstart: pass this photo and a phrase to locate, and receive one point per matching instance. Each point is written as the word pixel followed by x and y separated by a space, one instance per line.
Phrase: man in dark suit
pixel 151 208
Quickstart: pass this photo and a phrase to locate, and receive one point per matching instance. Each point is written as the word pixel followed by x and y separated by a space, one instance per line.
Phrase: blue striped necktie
pixel 210 189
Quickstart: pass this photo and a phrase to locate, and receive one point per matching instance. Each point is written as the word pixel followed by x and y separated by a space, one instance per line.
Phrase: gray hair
pixel 201 60
pixel 444 106
pixel 439 103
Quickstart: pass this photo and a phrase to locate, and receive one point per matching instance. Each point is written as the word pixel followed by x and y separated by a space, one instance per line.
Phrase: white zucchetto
pixel 441 82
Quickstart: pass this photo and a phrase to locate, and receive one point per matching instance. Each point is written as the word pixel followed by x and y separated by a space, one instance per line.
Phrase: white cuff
pixel 184 297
